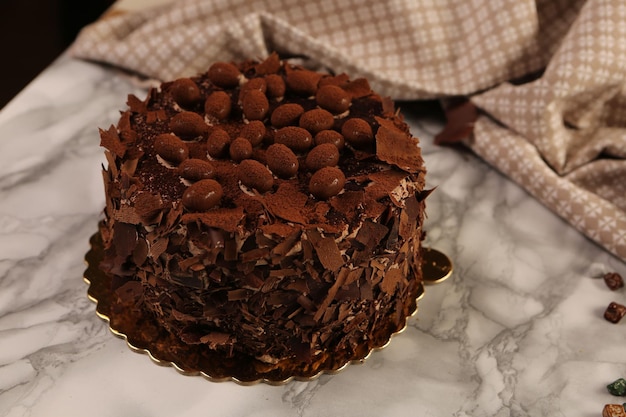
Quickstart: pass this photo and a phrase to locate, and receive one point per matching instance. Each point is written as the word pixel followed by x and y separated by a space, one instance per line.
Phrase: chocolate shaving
pixel 148 205
pixel 397 148
pixel 156 116
pixel 320 212
pixel 110 140
pixel 339 80
pixel 422 195
pixel 366 288
pixel 392 238
pixel 344 312
pixel 129 166
pixel 239 294
pixel 306 302
pixel 328 228
pixel 140 253
pixel 158 247
pixel 373 208
pixel 287 203
pixel 124 125
pixel 348 292
pixel 263 241
pixel 391 279
pixel 409 217
pixel 124 239
pixel 222 218
pixel 298 285
pixel 326 249
pixel 307 250
pixel 215 339
pixel 185 264
pixel 388 105
pixel 278 229
pixel 354 275
pixel 171 217
pixel 112 166
pixel 253 281
pixel 286 245
pixel 286 272
pixel 271 65
pixel 271 283
pixel 371 234
pixel 348 202
pixel 329 313
pixel 130 292
pixel 255 254
pixel 188 280
pixel 230 249
pixel 332 291
pixel 383 183
pixel 136 105
pixel 358 88
pixel 127 214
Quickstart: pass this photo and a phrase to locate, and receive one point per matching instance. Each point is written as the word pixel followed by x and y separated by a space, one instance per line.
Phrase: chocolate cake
pixel 267 213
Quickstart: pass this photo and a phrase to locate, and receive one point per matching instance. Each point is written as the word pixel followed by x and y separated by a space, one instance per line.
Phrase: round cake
pixel 266 213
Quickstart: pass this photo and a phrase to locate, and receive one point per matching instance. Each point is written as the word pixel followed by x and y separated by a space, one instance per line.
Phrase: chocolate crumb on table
pixel 614 312
pixel 613 280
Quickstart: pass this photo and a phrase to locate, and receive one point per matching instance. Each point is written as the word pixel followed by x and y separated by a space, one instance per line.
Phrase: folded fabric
pixel 561 136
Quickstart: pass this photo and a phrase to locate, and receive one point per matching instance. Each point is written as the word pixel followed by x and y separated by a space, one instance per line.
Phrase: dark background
pixel 35 32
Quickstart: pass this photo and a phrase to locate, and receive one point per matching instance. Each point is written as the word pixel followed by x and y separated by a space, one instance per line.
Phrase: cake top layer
pixel 263 145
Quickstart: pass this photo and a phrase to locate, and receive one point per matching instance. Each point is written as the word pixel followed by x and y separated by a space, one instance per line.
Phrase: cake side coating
pixel 265 210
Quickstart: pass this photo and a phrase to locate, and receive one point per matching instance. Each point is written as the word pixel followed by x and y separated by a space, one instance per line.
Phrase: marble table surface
pixel 518 329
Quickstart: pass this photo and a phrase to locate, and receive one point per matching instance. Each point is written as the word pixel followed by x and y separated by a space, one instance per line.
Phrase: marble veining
pixel 516 331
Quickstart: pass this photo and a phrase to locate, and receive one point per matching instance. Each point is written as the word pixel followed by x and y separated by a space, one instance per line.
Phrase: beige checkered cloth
pixel 561 136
